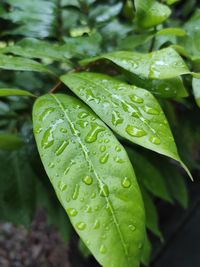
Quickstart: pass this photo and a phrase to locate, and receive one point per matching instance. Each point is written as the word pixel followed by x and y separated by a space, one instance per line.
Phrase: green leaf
pixel 150 13
pixel 18 63
pixel 93 178
pixel 196 90
pixel 172 31
pixel 14 92
pixel 10 141
pixel 146 253
pixel 151 214
pixel 150 177
pixel 17 188
pixel 83 249
pixel 176 184
pixel 131 112
pixel 162 64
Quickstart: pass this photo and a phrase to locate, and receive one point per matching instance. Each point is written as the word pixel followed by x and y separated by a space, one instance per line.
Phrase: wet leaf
pixel 93 178
pixel 146 252
pixel 130 111
pixel 162 64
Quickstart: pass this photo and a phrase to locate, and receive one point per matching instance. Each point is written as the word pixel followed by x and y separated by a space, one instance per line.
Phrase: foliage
pixel 116 116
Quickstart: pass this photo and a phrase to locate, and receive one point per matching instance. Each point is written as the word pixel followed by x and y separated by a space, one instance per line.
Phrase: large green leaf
pixel 150 13
pixel 162 64
pixel 14 92
pixel 93 178
pixel 132 112
pixel 196 90
pixel 146 253
pixel 18 63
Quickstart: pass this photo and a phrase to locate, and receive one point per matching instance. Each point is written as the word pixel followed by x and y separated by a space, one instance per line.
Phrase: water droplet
pixel 136 132
pixel 106 140
pixel 93 195
pixel 118 160
pixel 81 226
pixel 151 111
pixel 88 209
pixel 116 118
pixel 38 129
pixel 102 148
pixel 140 246
pixel 62 186
pixel 83 115
pixel 118 148
pixel 82 124
pixel 51 165
pixel 104 191
pixel 135 114
pixel 88 180
pixel 45 114
pixel 61 148
pixel 132 227
pixel 155 140
pixel 93 133
pixel 126 183
pixel 72 212
pixel 47 139
pixel 136 99
pixel 63 130
pixel 103 249
pixel 76 192
pixel 104 158
pixel 96 224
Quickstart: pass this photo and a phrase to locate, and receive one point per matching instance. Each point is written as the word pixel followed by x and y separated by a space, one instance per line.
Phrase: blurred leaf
pixel 150 176
pixel 23 64
pixel 17 188
pixel 196 90
pixel 83 249
pixel 14 92
pixel 150 13
pixel 172 31
pixel 10 141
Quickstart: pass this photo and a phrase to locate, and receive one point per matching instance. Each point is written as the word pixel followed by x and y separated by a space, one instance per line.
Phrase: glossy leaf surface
pixel 162 64
pixel 132 112
pixel 93 178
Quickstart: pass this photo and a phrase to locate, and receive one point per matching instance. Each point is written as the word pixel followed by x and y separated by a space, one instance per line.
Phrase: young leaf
pixel 196 90
pixel 132 112
pixel 150 13
pixel 18 63
pixel 93 178
pixel 14 92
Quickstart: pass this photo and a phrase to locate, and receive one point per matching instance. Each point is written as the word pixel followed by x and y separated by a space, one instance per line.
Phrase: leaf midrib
pixel 84 149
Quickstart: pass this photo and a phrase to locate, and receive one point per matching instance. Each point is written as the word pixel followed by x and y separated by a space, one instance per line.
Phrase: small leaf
pixel 14 92
pixel 196 90
pixel 18 63
pixel 130 111
pixel 10 141
pixel 93 178
pixel 150 13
